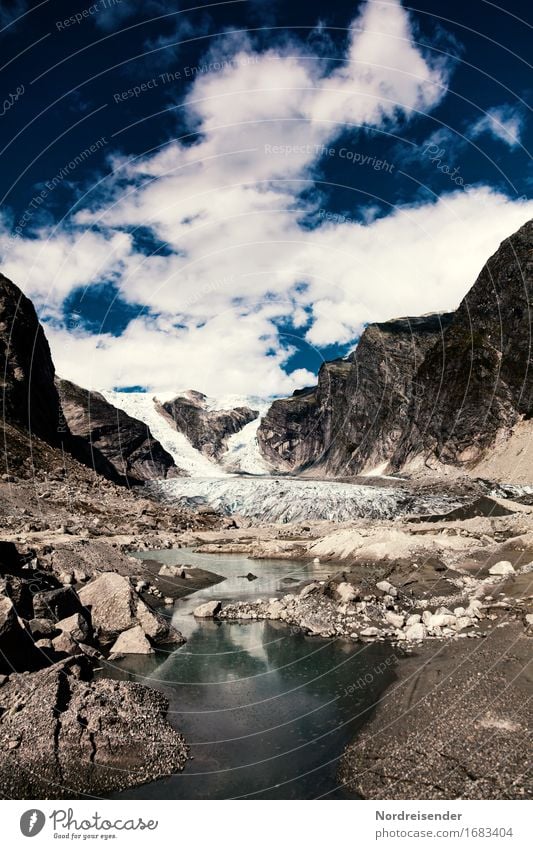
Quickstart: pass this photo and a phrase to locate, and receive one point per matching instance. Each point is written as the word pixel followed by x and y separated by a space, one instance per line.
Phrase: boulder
pixel 317 624
pixel 394 619
pixel 17 649
pixel 346 592
pixel 387 587
pixel 116 607
pixel 442 620
pixel 503 567
pixel 463 622
pixel 414 618
pixel 78 626
pixel 42 629
pixel 56 604
pixel 274 609
pixel 308 589
pixel 132 641
pixel 97 741
pixel 208 610
pixel 416 631
pixel 65 644
pixel 369 632
pixel 171 571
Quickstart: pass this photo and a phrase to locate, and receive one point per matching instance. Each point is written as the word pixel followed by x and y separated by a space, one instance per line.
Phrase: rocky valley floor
pixel 446 586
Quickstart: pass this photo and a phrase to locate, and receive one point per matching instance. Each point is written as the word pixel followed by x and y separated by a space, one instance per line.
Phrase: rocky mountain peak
pixel 29 396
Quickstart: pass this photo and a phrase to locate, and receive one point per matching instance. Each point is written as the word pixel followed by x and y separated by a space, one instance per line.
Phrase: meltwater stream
pixel 266 710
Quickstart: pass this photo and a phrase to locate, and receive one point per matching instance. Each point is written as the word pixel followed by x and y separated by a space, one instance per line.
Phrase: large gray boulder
pixel 64 735
pixel 17 650
pixel 208 610
pixel 116 607
pixel 133 641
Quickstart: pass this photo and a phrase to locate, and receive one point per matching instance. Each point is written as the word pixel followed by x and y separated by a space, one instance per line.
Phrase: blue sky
pixel 223 198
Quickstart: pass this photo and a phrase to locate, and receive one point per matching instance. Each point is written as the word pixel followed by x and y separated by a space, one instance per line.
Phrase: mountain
pixel 29 397
pixel 352 420
pixel 452 388
pixel 39 432
pixel 477 384
pixel 208 430
pixel 124 441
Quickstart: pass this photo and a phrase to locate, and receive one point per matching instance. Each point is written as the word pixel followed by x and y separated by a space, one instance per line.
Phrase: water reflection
pixel 267 711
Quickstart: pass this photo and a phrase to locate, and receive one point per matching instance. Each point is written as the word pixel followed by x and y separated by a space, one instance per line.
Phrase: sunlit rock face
pixel 478 382
pixel 445 388
pixel 353 419
pixel 124 441
pixel 208 430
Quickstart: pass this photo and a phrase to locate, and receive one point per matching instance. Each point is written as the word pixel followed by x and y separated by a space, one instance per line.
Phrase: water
pixel 266 710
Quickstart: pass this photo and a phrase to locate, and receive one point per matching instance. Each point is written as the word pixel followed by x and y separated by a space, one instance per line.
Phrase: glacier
pixel 287 499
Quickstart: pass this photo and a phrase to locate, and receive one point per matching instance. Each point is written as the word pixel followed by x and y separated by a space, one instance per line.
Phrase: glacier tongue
pixel 142 406
pixel 284 499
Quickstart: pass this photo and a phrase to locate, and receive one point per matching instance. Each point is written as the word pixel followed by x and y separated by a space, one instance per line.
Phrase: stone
pixel 387 587
pixel 208 610
pixel 274 609
pixel 529 618
pixel 427 616
pixel 416 631
pixel 317 624
pixel 309 589
pixel 110 735
pixel 463 622
pixel 414 618
pixel 56 604
pixel 17 649
pixel 78 626
pixel 132 641
pixel 395 619
pixel 66 578
pixel 442 620
pixel 171 571
pixel 369 632
pixel 116 607
pixel 503 567
pixel 65 643
pixel 346 592
pixel 42 629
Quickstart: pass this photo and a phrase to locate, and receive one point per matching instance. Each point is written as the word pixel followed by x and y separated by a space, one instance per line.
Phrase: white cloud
pixel 228 205
pixel 504 123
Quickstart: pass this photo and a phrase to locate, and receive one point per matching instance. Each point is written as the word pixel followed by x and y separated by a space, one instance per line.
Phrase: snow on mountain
pixel 143 406
pixel 243 454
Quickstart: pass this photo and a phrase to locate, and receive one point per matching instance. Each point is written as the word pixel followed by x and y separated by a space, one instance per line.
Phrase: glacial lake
pixel 267 711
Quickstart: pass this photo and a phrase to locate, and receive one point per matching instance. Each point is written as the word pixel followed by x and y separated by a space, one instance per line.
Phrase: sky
pixel 220 196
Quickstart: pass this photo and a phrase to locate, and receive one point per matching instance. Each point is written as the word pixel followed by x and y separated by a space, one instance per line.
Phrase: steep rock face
pixel 478 383
pixel 126 443
pixel 29 397
pixel 207 430
pixel 353 419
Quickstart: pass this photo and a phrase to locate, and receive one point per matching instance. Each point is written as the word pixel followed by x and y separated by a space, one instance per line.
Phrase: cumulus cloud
pixel 504 123
pixel 238 265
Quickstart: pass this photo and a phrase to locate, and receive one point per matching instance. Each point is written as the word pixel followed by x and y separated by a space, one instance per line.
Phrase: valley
pixel 207 563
